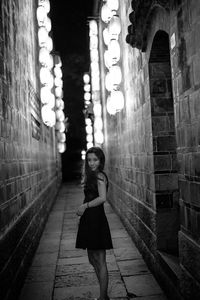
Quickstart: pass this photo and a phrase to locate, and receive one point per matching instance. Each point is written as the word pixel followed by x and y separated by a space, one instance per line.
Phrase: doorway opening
pixel 164 146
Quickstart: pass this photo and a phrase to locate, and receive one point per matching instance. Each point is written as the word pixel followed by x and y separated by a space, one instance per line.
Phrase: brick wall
pixel 29 163
pixel 152 145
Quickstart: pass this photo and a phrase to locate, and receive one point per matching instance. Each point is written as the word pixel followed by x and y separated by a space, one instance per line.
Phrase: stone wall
pixel 29 163
pixel 152 145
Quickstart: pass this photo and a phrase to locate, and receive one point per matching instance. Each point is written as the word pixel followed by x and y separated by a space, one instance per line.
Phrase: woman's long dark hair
pixel 88 174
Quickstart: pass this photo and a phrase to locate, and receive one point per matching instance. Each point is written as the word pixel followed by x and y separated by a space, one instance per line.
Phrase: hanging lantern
pixel 98 136
pixel 45 75
pixel 61 137
pixel 94 55
pixel 41 15
pixel 89 138
pixel 58 72
pixel 115 75
pixel 45 4
pixel 42 36
pixel 58 82
pixel 110 106
pixel 60 126
pixel 88 121
pixel 114 51
pixel 87 88
pixel 60 103
pixel 48 116
pixel 47 24
pixel 117 98
pixel 97 109
pixel 89 145
pixel 114 27
pixel 106 36
pixel 93 27
pixel 98 123
pixel 86 78
pixel 113 4
pixel 60 115
pixel 58 92
pixel 61 147
pixel 106 13
pixel 88 129
pixel 108 59
pixel 93 42
pixel 108 82
pixel 87 96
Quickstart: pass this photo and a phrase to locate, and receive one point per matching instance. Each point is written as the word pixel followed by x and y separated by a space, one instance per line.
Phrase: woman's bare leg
pixel 98 258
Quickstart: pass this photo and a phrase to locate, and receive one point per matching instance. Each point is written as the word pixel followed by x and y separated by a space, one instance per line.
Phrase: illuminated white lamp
pixel 108 82
pixel 106 13
pixel 41 15
pixel 60 103
pixel 97 109
pixel 89 138
pixel 45 4
pixel 83 153
pixel 108 59
pixel 93 42
pixel 45 75
pixel 95 67
pixel 44 56
pixel 61 137
pixel 60 115
pixel 57 61
pixel 94 55
pixel 58 82
pixel 114 51
pixel 42 36
pixel 58 72
pixel 87 103
pixel 58 92
pixel 89 145
pixel 117 98
pixel 45 94
pixel 114 27
pixel 93 27
pixel 47 24
pixel 98 123
pixel 87 96
pixel 48 116
pixel 60 126
pixel 87 87
pixel 98 136
pixel 106 36
pixel 88 121
pixel 86 78
pixel 49 44
pixel 48 99
pixel 88 129
pixel 113 4
pixel 110 106
pixel 115 75
pixel 61 147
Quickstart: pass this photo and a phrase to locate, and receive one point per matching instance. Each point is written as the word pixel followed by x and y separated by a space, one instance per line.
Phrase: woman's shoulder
pixel 102 177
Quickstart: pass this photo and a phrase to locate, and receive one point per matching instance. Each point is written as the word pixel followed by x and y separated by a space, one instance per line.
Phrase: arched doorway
pixel 164 145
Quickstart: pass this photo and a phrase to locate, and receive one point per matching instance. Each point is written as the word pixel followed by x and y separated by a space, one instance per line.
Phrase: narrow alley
pixel 61 272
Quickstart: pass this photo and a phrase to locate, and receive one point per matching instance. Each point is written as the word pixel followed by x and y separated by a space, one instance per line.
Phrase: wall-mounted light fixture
pixel 112 54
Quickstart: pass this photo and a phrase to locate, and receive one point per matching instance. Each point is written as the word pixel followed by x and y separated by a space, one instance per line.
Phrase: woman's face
pixel 93 161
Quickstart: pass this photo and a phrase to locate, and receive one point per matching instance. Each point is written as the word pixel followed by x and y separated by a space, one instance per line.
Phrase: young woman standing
pixel 93 232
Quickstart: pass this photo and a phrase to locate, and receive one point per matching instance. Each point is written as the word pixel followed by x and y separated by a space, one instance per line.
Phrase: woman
pixel 93 232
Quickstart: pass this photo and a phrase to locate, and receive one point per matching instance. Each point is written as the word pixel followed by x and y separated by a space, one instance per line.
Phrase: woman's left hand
pixel 81 210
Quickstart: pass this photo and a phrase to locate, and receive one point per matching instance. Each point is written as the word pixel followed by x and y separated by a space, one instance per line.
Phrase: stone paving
pixel 61 272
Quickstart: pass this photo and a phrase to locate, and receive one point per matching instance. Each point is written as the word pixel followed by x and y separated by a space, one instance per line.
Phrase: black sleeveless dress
pixel 93 231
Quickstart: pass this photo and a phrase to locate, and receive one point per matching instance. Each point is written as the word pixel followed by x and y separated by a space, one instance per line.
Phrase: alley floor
pixel 59 271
